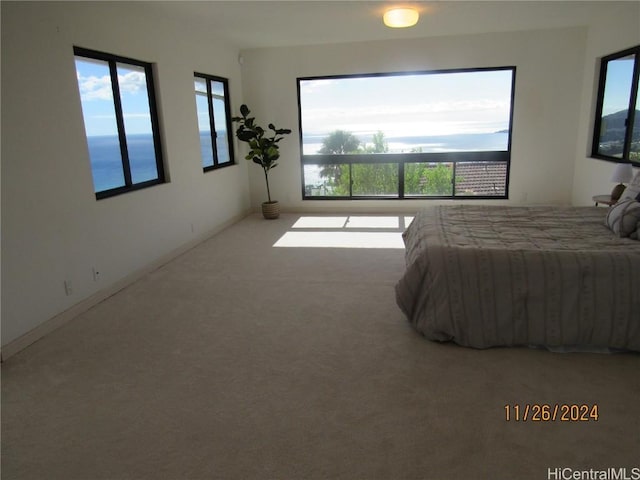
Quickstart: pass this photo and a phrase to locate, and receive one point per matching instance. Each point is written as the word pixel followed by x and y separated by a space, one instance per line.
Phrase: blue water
pixel 106 160
pixel 206 150
pixel 469 142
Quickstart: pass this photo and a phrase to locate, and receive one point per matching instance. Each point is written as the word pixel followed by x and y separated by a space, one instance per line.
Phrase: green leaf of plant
pixel 245 135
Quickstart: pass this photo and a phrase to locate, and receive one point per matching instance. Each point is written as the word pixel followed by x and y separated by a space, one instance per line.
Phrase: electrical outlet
pixel 96 274
pixel 68 288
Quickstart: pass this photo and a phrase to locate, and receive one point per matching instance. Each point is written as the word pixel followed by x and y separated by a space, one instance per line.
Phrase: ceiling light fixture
pixel 401 17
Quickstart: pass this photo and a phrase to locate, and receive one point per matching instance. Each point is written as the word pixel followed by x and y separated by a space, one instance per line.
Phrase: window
pixel 214 121
pixel 616 135
pixel 121 122
pixel 439 134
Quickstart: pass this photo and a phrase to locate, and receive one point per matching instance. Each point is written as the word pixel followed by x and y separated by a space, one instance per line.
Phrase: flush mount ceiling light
pixel 401 17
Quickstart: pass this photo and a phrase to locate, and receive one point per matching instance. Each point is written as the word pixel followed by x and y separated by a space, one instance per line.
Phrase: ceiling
pixel 255 24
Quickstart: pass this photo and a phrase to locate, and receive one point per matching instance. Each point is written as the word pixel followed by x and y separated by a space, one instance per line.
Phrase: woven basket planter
pixel 271 210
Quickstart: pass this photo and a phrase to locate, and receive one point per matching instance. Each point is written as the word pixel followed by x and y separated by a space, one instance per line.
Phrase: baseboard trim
pixel 62 318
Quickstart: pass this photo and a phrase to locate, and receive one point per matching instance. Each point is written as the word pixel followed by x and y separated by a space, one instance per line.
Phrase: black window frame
pixel 112 60
pixel 631 108
pixel 227 112
pixel 404 158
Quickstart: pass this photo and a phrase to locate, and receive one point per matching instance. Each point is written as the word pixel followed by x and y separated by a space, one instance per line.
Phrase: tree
pixel 380 179
pixel 379 144
pixel 428 179
pixel 375 179
pixel 339 142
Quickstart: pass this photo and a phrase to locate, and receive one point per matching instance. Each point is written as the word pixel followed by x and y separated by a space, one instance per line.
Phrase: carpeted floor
pixel 241 360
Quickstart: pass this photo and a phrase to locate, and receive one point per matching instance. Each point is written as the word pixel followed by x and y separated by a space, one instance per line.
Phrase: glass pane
pixel 219 118
pixel 428 179
pixel 96 96
pixel 634 152
pixel 429 112
pixel 379 179
pixel 200 85
pixel 481 178
pixel 222 139
pixel 206 149
pixel 204 128
pixel 217 89
pixel 615 106
pixel 326 180
pixel 132 81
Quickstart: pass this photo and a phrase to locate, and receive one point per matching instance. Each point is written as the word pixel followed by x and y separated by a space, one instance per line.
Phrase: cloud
pixel 99 88
pixel 440 117
pixel 311 86
pixel 94 88
pixel 132 82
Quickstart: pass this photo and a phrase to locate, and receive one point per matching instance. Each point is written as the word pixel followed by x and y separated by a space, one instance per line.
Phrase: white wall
pixel 547 103
pixel 53 229
pixel 612 33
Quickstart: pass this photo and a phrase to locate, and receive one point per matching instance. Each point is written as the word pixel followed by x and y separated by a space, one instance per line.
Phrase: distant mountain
pixel 614 126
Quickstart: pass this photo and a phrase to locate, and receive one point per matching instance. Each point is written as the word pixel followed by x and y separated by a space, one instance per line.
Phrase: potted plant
pixel 263 150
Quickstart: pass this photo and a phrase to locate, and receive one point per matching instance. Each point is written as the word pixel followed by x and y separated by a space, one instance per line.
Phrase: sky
pixel 408 105
pixel 399 105
pixel 96 95
pixel 202 105
pixel 619 78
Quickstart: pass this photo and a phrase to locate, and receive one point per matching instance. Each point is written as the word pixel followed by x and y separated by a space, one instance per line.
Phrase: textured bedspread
pixel 485 276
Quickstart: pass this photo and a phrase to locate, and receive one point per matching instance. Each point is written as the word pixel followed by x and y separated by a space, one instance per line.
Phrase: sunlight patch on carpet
pixel 341 240
pixel 346 231
pixel 321 222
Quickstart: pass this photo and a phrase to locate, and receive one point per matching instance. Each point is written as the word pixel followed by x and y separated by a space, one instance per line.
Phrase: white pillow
pixel 636 179
pixel 630 193
pixel 623 218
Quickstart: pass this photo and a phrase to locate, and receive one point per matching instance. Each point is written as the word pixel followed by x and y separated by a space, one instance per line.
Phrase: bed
pixel 555 277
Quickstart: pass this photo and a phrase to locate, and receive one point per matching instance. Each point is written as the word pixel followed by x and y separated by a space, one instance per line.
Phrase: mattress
pixel 486 276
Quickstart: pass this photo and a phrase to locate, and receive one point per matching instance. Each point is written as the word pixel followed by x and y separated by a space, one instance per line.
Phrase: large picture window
pixel 121 122
pixel 214 121
pixel 439 134
pixel 616 135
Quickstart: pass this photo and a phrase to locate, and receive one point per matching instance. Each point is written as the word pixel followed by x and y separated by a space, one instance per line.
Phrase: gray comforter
pixel 485 276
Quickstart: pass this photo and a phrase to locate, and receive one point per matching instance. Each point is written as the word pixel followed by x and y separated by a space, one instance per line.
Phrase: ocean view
pixel 471 142
pixel 468 142
pixel 106 160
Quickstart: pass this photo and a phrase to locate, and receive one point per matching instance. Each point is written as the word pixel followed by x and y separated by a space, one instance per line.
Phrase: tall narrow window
pixel 616 135
pixel 121 122
pixel 214 121
pixel 438 134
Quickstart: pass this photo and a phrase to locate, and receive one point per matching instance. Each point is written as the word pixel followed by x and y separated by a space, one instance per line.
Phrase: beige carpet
pixel 239 360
